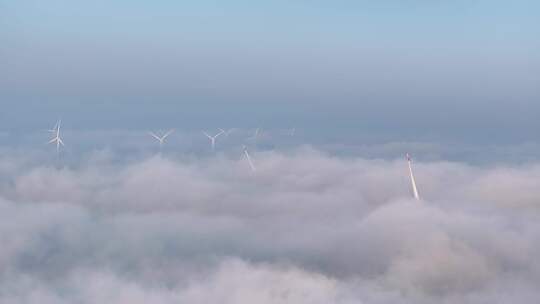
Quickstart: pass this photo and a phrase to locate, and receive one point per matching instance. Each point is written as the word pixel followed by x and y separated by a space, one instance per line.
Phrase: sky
pixel 398 70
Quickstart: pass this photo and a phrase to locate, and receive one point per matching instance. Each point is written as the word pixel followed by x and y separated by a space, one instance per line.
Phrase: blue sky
pixel 465 70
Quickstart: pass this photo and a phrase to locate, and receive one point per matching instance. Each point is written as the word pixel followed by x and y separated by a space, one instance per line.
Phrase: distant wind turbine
pixel 213 138
pixel 413 181
pixel 57 139
pixel 292 132
pixel 161 139
pixel 249 159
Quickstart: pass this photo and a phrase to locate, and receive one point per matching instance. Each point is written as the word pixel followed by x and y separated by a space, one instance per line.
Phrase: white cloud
pixel 305 228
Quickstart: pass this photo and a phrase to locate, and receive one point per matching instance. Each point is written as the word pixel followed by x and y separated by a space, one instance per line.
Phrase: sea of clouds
pixel 306 227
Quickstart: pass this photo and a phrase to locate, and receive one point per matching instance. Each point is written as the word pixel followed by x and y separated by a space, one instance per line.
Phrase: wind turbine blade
pixel 61 142
pixel 207 135
pixel 154 135
pixel 226 132
pixel 168 133
pixel 413 181
pixel 53 130
pixel 51 141
pixel 254 136
pixel 249 160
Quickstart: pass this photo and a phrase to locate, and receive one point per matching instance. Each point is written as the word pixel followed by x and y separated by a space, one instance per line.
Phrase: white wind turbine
pixel 292 132
pixel 161 139
pixel 213 138
pixel 413 181
pixel 57 139
pixel 249 159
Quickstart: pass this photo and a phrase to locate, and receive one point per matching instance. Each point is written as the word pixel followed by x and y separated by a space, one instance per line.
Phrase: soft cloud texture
pixel 305 228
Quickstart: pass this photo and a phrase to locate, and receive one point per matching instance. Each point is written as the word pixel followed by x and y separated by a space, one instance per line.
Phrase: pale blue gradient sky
pixel 466 70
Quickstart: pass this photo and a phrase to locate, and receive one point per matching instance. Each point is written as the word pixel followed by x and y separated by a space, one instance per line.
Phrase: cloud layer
pixel 305 228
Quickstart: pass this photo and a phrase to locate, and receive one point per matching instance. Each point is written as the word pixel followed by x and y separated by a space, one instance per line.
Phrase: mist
pixel 306 227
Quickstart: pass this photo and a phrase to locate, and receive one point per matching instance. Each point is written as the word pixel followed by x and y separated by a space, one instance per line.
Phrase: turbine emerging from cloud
pixel 213 138
pixel 56 139
pixel 161 139
pixel 413 181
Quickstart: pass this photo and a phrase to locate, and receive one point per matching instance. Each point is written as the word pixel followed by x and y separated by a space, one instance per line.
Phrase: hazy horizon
pixel 460 70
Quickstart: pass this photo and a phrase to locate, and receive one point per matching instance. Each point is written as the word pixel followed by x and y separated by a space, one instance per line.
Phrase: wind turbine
pixel 56 133
pixel 162 138
pixel 292 131
pixel 249 159
pixel 413 181
pixel 213 138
